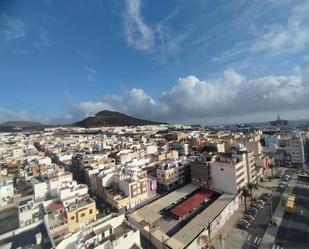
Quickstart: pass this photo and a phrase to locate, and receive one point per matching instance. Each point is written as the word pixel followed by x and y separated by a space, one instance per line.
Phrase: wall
pixel 6 191
pixel 40 191
pixel 223 177
pixel 216 224
pixel 76 219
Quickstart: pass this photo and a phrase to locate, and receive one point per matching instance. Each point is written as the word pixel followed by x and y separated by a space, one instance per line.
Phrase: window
pixel 72 218
pixel 90 211
pixel 82 215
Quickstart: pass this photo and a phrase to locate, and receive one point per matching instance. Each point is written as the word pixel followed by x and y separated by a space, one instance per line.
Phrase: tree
pixel 246 193
pixel 250 187
pixel 271 166
pixel 203 240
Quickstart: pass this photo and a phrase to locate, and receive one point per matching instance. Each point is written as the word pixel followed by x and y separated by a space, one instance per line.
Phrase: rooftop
pixel 80 203
pixel 27 239
pixel 55 206
pixel 190 204
pixel 121 230
pixel 151 212
pixel 192 229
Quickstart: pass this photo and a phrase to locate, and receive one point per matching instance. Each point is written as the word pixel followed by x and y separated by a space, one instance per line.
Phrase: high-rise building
pixel 297 151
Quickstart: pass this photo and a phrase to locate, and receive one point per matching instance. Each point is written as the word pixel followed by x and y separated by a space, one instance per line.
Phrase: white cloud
pixel 11 28
pixel 229 98
pixel 138 102
pixel 192 99
pixel 87 108
pixel 9 115
pixel 158 39
pixel 137 33
pixel 293 35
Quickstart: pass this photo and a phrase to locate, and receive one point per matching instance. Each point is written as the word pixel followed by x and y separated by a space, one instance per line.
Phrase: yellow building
pixel 117 199
pixel 81 213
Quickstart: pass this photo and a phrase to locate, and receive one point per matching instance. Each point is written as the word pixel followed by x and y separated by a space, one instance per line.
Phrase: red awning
pixel 194 201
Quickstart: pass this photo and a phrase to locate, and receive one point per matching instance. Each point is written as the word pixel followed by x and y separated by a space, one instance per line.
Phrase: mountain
pixel 13 126
pixel 109 118
pixel 21 124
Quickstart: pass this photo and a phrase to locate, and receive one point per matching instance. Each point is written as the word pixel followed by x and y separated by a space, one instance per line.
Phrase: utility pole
pixel 149 237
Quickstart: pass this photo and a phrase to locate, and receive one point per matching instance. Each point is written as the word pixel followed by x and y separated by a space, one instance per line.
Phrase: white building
pixel 28 212
pixel 232 172
pixel 113 233
pixel 297 150
pixel 6 190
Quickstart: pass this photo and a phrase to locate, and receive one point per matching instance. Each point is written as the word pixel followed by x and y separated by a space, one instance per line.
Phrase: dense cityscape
pixel 154 124
pixel 155 186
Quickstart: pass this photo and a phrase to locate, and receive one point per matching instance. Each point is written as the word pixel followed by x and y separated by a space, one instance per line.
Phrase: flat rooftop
pixel 192 229
pixel 181 234
pixel 151 212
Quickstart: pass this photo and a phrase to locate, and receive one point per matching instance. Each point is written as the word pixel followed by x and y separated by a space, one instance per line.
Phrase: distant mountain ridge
pixel 111 118
pixel 103 118
pixel 21 124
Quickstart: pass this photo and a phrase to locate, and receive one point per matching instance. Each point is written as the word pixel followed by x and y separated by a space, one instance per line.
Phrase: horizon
pixel 202 124
pixel 177 62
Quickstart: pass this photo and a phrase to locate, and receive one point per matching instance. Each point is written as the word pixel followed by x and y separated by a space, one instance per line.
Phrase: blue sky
pixel 177 61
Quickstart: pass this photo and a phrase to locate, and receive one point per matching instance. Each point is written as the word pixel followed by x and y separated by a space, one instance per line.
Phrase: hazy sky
pixel 189 61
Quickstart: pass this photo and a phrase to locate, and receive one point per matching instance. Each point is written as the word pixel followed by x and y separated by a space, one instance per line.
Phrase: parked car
pixel 252 211
pixel 242 226
pixel 256 205
pixel 264 198
pixel 266 194
pixel 281 186
pixel 249 217
pixel 241 220
pixel 251 221
pixel 260 201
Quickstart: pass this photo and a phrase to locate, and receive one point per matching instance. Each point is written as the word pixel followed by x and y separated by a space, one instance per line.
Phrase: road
pixel 256 232
pixel 294 229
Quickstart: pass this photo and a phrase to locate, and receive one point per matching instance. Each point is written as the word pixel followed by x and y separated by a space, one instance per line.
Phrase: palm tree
pixel 271 166
pixel 250 187
pixel 246 193
pixel 203 240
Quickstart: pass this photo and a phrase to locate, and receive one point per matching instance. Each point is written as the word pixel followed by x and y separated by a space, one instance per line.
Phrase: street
pixel 293 230
pixel 256 232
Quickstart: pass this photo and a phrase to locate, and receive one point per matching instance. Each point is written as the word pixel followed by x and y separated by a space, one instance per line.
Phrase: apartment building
pixel 173 154
pixel 49 185
pixel 257 149
pixel 296 146
pixel 231 172
pixel 172 173
pixel 79 165
pixel 80 212
pixel 66 217
pixel 6 191
pixel 224 172
pixel 113 232
pixel 29 212
pixel 200 172
pixel 133 186
pixel 125 187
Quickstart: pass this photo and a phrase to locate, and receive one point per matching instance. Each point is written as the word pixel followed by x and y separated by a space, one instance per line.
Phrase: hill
pixel 10 126
pixel 21 124
pixel 110 118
